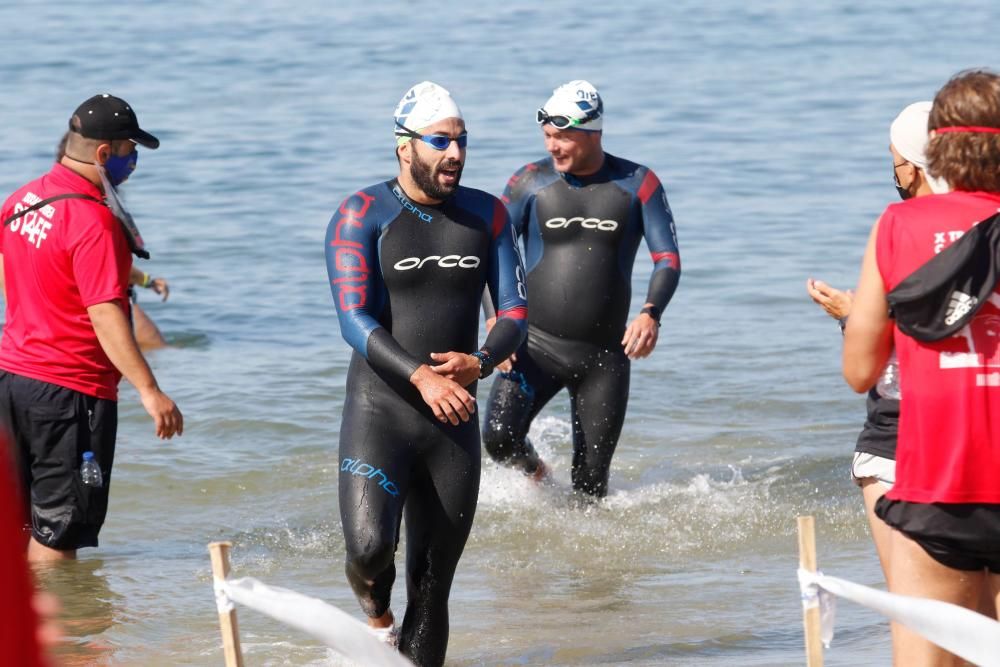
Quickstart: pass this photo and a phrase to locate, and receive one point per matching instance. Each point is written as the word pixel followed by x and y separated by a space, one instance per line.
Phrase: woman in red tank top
pixel 945 506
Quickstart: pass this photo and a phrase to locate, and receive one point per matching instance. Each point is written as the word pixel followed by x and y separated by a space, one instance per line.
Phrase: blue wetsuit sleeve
pixel 505 283
pixel 517 197
pixel 356 282
pixel 661 237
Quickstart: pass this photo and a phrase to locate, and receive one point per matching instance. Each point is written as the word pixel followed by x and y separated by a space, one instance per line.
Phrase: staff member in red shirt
pixel 67 340
pixel 945 505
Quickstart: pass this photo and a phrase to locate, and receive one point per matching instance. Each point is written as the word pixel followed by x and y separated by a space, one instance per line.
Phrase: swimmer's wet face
pixel 575 152
pixel 437 172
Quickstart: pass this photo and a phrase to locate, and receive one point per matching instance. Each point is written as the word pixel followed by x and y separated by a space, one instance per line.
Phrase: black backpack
pixel 944 294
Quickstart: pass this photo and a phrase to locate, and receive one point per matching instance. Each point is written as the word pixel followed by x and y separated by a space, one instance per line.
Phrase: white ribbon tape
pixel 813 595
pixel 222 600
pixel 335 628
pixel 961 631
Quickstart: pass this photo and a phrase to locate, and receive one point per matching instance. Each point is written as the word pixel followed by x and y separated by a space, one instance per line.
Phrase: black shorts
pixel 962 536
pixel 52 427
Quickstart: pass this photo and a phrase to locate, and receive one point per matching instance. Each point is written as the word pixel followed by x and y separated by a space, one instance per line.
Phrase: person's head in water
pixel 430 143
pixel 103 133
pixel 572 123
pixel 907 142
pixel 964 124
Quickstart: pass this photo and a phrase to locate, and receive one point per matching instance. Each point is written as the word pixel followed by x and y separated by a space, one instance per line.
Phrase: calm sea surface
pixel 767 123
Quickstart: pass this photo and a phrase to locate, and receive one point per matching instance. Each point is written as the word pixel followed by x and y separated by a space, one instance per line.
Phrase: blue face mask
pixel 120 167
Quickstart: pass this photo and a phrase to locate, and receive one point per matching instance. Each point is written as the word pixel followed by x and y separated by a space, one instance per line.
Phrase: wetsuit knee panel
pixel 367 561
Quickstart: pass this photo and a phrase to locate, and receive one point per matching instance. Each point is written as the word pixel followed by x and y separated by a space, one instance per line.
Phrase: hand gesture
pixel 449 401
pixel 462 368
pixel 837 304
pixel 161 287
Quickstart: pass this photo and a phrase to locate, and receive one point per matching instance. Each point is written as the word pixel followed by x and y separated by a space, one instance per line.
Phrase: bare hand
pixel 641 336
pixel 449 401
pixel 837 304
pixel 166 416
pixel 462 368
pixel 161 287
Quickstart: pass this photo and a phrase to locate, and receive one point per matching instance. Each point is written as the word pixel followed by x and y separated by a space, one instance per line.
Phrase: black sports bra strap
pixel 49 200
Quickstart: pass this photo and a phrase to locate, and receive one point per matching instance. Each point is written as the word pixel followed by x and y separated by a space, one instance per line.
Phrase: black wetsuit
pixel 407 280
pixel 580 236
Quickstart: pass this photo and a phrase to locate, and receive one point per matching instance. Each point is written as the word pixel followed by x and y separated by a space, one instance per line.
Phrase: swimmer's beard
pixel 426 177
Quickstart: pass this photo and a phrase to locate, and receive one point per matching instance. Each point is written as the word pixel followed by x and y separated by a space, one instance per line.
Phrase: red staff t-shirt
pixel 58 261
pixel 949 420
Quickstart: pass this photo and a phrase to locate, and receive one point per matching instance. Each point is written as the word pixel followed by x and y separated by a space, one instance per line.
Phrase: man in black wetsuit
pixel 408 260
pixel 581 213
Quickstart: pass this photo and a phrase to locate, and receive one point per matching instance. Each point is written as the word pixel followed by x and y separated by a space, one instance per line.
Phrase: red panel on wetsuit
pixel 515 313
pixel 673 259
pixel 648 187
pixel 499 218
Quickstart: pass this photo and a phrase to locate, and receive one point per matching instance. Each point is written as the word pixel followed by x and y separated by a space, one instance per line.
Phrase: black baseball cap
pixel 109 117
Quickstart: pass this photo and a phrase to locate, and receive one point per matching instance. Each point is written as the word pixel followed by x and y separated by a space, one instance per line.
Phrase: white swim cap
pixel 578 101
pixel 908 133
pixel 424 104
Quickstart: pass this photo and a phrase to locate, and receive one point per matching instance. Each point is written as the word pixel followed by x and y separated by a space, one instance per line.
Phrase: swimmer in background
pixel 581 214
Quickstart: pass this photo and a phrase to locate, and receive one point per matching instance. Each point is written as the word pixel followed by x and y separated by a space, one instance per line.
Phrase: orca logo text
pixel 444 261
pixel 586 223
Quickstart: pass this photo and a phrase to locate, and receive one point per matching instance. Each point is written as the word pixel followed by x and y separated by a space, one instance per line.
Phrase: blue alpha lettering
pixel 368 471
pixel 408 205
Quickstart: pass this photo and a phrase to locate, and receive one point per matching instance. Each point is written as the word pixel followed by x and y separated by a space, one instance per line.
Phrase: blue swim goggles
pixel 438 142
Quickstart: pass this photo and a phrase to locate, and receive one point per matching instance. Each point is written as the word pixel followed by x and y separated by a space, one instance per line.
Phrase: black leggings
pixel 397 460
pixel 597 378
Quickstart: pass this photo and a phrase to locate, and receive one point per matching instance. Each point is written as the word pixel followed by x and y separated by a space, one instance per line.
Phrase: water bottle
pixel 888 383
pixel 90 472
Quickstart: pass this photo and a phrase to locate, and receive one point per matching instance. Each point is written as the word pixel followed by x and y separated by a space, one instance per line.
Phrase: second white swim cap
pixel 580 101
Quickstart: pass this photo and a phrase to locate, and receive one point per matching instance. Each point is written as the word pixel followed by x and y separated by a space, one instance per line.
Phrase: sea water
pixel 767 123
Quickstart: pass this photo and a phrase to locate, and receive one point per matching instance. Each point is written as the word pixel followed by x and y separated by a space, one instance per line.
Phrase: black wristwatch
pixel 486 364
pixel 653 312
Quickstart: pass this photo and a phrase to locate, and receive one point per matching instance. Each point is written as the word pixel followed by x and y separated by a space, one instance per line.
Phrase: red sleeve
pixel 884 243
pixel 98 265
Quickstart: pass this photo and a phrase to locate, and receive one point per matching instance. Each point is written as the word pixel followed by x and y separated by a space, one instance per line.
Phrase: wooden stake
pixel 219 552
pixel 810 617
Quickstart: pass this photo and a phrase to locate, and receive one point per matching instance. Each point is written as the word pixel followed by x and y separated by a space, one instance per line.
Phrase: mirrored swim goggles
pixel 562 121
pixel 438 142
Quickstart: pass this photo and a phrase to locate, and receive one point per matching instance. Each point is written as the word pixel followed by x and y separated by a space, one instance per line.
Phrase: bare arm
pixel 118 342
pixel 868 337
pixel 143 279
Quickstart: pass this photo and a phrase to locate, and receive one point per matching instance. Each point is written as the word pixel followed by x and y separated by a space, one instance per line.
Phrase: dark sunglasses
pixel 438 142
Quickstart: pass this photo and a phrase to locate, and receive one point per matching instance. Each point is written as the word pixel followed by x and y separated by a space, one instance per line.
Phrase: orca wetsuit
pixel 580 235
pixel 406 280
